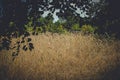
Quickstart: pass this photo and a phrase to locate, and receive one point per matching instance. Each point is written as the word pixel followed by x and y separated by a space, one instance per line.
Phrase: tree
pixel 107 17
pixel 114 17
pixel 13 11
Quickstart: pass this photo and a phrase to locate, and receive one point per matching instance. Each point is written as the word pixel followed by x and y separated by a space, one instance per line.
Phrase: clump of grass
pixel 63 57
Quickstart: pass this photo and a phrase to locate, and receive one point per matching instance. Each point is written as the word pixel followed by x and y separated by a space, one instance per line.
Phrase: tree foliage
pixel 108 17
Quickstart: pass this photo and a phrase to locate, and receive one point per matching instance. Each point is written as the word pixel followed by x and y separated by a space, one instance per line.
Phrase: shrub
pixel 29 27
pixel 60 29
pixel 39 29
pixel 88 29
pixel 76 27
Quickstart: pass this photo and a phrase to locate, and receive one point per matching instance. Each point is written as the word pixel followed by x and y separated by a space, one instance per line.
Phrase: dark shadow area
pixel 3 73
pixel 114 74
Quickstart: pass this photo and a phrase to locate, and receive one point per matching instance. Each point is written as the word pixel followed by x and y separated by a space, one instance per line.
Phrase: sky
pixel 96 0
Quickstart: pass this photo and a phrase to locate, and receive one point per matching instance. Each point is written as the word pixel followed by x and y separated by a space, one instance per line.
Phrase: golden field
pixel 63 57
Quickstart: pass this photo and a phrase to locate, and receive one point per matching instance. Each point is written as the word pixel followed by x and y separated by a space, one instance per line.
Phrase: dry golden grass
pixel 63 57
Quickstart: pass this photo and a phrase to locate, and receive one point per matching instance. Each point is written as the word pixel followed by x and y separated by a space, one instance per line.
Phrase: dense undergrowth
pixel 46 25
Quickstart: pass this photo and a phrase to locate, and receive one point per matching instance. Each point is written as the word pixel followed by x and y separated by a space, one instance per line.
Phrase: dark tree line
pixel 108 19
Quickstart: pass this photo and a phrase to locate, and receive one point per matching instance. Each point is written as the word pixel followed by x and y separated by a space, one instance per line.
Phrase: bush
pixel 39 29
pixel 88 29
pixel 60 29
pixel 29 26
pixel 75 27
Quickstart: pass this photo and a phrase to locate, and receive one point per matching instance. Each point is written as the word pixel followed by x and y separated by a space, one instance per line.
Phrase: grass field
pixel 63 57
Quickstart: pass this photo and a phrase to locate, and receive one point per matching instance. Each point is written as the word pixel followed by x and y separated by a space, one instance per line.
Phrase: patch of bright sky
pixel 56 18
pixel 95 0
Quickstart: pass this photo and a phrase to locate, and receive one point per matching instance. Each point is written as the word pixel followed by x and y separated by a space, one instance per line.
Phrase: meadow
pixel 72 56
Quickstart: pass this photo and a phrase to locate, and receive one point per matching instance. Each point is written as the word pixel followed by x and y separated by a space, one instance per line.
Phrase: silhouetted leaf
pixel 33 33
pixel 36 33
pixel 18 42
pixel 26 34
pixel 31 46
pixel 14 54
pixel 23 38
pixel 25 48
pixel 23 41
pixel 29 39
